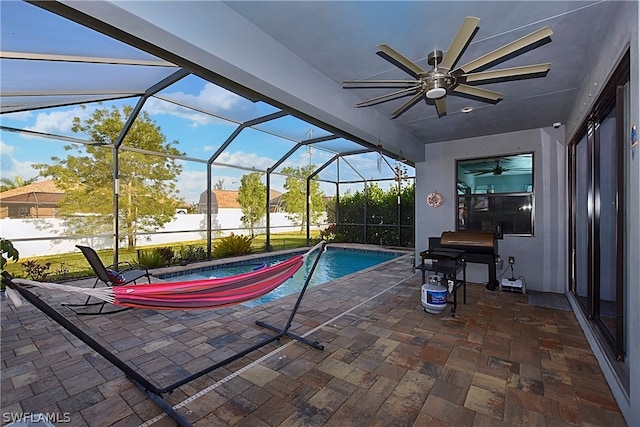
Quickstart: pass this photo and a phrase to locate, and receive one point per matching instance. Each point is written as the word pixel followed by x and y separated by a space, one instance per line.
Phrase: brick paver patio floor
pixel 386 362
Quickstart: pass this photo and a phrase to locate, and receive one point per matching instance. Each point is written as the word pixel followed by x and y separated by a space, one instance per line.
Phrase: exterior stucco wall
pixel 540 258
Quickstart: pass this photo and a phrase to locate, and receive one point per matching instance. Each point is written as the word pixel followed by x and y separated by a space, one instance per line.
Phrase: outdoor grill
pixel 479 247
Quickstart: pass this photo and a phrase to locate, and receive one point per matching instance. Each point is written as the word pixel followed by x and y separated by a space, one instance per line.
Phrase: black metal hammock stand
pixel 154 392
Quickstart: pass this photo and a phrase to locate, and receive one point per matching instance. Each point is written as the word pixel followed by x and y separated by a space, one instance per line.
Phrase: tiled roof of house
pixel 229 198
pixel 46 186
pixel 274 194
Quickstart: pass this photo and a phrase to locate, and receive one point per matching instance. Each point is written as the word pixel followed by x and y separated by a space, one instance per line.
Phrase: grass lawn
pixel 74 265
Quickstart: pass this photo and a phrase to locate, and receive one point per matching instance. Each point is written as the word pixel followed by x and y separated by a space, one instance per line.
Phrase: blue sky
pixel 26 28
pixel 198 136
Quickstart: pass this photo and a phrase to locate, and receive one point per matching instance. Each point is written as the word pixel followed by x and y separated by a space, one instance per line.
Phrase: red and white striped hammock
pixel 185 295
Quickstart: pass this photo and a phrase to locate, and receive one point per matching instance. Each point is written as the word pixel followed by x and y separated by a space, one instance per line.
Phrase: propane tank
pixel 434 296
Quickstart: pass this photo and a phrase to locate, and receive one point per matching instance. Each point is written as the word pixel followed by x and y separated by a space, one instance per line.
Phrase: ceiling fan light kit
pixel 436 92
pixel 443 79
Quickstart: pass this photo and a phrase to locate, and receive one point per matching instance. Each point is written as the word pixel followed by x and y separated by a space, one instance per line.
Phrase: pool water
pixel 333 264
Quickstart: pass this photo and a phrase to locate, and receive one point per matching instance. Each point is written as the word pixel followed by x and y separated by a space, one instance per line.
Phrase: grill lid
pixel 477 239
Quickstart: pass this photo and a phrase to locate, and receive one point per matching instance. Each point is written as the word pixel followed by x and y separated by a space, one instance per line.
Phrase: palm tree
pixel 18 181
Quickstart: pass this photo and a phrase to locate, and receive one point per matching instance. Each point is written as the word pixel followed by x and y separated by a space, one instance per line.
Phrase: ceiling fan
pixel 496 170
pixel 443 79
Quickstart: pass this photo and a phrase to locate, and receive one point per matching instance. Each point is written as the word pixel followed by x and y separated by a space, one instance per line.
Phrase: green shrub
pixel 193 253
pixel 35 271
pixel 151 258
pixel 8 252
pixel 232 245
pixel 329 233
pixel 62 272
pixel 167 254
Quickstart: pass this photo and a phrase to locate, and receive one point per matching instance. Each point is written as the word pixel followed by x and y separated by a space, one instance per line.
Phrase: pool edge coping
pixel 162 273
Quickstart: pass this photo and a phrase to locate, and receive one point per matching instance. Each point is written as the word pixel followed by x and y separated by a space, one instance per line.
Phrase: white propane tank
pixel 434 297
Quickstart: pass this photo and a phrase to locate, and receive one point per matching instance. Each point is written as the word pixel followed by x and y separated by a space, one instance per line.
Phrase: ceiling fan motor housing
pixel 437 83
pixel 438 80
pixel 444 77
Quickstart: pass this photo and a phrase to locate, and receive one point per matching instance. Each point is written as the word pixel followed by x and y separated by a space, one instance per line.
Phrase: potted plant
pixel 8 252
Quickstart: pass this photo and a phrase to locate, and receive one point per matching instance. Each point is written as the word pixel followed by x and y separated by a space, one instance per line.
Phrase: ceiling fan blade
pixel 478 92
pixel 508 73
pixel 507 50
pixel 410 103
pixel 460 42
pixel 387 97
pixel 381 84
pixel 400 60
pixel 441 106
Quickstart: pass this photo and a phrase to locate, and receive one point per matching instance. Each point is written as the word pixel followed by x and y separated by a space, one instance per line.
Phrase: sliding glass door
pixel 597 215
pixel 606 224
pixel 582 215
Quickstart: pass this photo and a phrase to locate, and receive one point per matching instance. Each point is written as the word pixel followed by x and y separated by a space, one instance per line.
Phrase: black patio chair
pixel 123 273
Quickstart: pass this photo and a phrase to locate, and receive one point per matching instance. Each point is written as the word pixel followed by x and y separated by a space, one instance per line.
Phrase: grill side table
pixel 450 263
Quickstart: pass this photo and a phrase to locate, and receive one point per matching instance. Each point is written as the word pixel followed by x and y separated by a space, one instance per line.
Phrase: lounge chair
pixel 114 275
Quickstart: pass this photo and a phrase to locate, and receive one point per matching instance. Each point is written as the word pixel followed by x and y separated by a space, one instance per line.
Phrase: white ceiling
pixel 296 54
pixel 339 39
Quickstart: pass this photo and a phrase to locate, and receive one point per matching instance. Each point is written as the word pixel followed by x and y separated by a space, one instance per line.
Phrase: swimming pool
pixel 333 264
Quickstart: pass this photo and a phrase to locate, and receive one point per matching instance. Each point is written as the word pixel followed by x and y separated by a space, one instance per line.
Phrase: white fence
pixel 38 237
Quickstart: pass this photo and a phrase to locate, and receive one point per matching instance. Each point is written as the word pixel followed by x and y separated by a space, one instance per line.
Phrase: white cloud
pixel 248 160
pixel 19 116
pixel 191 184
pixel 219 99
pixel 211 98
pixel 156 106
pixel 59 122
pixel 10 167
pixel 6 149
pixel 215 99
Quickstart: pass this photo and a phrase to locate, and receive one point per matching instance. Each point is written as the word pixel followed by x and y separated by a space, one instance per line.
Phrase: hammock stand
pixel 152 391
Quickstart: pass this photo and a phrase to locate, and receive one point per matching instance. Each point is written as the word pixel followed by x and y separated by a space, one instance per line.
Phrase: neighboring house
pixel 37 200
pixel 228 199
pixel 40 200
pixel 275 202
